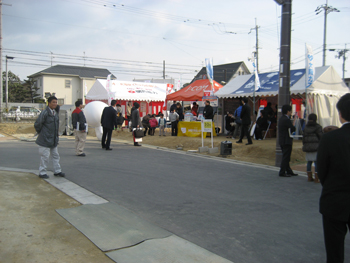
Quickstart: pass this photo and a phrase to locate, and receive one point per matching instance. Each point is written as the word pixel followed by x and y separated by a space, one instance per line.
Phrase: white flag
pixel 210 70
pixel 108 88
pixel 257 81
pixel 309 66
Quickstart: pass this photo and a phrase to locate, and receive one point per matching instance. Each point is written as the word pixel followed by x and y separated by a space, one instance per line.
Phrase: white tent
pixel 127 90
pixel 323 94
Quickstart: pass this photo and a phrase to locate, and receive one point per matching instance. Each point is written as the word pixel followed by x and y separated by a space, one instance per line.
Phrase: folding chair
pixel 268 129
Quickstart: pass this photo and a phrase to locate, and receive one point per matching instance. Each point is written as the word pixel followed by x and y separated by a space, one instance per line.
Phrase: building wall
pixel 57 84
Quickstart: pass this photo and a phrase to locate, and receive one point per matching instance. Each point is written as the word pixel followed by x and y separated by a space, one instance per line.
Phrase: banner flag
pixel 257 81
pixel 169 90
pixel 309 66
pixel 210 70
pixel 108 88
pixel 309 77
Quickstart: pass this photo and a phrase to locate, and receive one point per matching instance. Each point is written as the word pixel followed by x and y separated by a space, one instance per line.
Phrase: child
pixel 153 123
pixel 162 124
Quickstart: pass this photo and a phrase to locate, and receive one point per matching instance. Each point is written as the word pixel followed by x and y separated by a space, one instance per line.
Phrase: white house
pixel 68 83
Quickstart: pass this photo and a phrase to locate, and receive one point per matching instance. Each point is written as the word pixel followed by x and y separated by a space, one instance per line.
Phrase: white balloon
pixel 93 112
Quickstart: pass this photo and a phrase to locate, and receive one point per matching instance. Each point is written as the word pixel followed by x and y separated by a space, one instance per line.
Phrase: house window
pixel 67 83
pixel 60 101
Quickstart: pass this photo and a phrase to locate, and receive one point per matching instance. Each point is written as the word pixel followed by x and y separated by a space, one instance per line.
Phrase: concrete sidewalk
pixel 32 231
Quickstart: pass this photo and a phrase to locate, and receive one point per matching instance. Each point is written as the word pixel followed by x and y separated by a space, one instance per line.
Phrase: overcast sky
pixel 132 38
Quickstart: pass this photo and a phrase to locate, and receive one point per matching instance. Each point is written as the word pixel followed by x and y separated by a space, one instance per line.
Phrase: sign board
pixel 207 125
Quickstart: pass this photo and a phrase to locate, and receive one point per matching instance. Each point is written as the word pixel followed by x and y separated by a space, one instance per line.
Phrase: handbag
pixel 138 133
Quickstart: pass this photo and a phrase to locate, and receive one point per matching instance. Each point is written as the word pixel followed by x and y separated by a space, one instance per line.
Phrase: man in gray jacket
pixel 46 126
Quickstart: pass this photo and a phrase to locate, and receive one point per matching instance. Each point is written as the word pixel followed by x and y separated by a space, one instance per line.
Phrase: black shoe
pixel 103 147
pixel 248 143
pixel 109 149
pixel 284 175
pixel 60 174
pixel 239 141
pixel 137 144
pixel 43 176
pixel 82 155
pixel 292 174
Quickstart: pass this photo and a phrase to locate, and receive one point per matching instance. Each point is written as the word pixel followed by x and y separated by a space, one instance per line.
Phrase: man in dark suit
pixel 285 128
pixel 108 122
pixel 246 121
pixel 333 168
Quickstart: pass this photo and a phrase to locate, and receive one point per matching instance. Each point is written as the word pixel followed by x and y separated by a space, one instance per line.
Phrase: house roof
pixel 219 71
pixel 82 72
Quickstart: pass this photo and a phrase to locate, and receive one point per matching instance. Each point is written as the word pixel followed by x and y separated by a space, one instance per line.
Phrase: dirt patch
pixel 16 128
pixel 32 231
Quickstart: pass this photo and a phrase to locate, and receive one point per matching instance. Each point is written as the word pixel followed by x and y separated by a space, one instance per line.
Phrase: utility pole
pixel 1 91
pixel 341 53
pixel 327 9
pixel 256 28
pixel 1 95
pixel 284 70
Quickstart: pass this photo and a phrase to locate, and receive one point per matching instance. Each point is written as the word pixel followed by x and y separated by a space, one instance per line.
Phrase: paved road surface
pixel 240 212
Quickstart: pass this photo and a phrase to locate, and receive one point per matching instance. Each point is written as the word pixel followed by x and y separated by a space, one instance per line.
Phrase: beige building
pixel 67 83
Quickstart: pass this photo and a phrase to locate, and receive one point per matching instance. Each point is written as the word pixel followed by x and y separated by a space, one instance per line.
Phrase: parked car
pixel 22 112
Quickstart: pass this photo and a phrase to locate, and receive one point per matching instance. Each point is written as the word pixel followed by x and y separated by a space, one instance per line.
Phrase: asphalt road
pixel 240 212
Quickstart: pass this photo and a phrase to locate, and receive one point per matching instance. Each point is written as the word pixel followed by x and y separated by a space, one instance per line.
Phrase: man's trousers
pixel 45 154
pixel 80 138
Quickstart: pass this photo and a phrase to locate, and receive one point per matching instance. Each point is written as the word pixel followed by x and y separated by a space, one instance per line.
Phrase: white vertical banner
pixel 309 66
pixel 108 88
pixel 210 71
pixel 309 76
pixel 257 81
pixel 84 91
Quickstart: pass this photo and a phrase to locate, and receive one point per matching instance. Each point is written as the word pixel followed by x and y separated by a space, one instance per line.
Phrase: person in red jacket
pixel 79 124
pixel 153 123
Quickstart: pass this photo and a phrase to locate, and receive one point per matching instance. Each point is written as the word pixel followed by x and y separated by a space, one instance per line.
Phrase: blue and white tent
pixel 325 91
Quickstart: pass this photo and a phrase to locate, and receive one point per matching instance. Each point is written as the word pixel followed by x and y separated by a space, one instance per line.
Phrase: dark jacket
pixel 284 123
pixel 311 137
pixel 46 125
pixel 109 118
pixel 135 118
pixel 245 114
pixel 78 116
pixel 262 123
pixel 173 107
pixel 145 121
pixel 180 112
pixel 268 112
pixel 333 168
pixel 120 117
pixel 208 112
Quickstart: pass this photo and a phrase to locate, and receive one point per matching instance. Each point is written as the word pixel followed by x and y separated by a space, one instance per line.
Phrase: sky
pixel 132 38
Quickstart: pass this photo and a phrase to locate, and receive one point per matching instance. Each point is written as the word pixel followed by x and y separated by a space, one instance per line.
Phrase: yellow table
pixel 192 129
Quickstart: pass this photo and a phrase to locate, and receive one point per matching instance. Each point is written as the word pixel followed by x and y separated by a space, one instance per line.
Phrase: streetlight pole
pixel 284 69
pixel 327 9
pixel 7 82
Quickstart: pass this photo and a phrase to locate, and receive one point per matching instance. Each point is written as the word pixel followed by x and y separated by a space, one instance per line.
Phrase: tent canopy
pixel 194 91
pixel 327 81
pixel 128 90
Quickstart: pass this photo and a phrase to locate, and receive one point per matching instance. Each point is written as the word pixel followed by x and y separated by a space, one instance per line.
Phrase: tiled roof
pixel 82 72
pixel 219 71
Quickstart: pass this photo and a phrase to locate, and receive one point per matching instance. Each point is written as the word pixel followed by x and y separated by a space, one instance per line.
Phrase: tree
pixel 16 92
pixel 20 91
pixel 34 97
